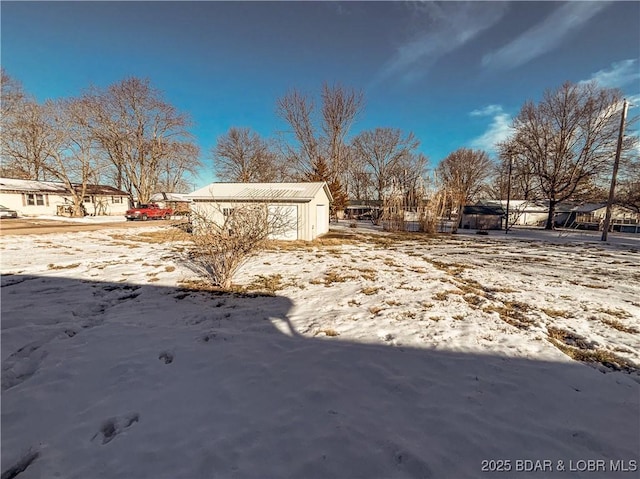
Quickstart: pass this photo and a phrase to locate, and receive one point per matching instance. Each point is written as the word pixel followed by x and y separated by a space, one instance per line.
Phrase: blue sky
pixel 454 73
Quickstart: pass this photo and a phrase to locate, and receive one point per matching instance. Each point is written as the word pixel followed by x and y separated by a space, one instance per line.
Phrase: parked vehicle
pixel 148 211
pixel 7 212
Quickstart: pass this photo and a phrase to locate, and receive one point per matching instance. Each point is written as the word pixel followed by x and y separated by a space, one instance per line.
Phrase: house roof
pixel 33 186
pixel 13 184
pixel 489 210
pixel 588 207
pixel 104 190
pixel 169 197
pixel 260 192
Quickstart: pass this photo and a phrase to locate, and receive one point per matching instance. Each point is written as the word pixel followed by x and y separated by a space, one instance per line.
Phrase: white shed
pixel 306 205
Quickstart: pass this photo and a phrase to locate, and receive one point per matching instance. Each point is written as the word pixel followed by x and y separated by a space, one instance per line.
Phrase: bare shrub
pixel 224 239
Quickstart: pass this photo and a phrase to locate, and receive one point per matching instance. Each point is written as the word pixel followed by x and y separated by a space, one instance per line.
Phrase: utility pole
pixel 506 226
pixel 616 162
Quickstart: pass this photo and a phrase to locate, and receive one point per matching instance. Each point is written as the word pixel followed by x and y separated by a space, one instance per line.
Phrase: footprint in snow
pixel 166 356
pixel 114 426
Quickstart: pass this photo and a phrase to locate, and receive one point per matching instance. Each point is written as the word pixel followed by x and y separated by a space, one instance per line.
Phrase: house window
pixel 227 212
pixel 87 199
pixel 34 199
pixel 116 199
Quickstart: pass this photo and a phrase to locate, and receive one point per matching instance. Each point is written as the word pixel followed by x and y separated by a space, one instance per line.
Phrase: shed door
pixel 322 219
pixel 286 219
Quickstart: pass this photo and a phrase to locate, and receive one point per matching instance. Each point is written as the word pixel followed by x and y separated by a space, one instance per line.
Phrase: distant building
pixel 534 213
pixel 178 202
pixel 482 217
pixel 35 198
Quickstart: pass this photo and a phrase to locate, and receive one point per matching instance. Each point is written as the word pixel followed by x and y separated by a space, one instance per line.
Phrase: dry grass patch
pixel 513 313
pixel 449 268
pixel 443 295
pixel 330 240
pixel 368 274
pixel 375 310
pixel 164 235
pixel 616 313
pixel 473 300
pixel 327 332
pixel 605 358
pixel 408 288
pixel 63 266
pixel 500 289
pixel 391 263
pixel 569 338
pixel 369 290
pixel 557 313
pixel 335 276
pixel 615 324
pixel 269 283
pixel 202 286
pixel 417 269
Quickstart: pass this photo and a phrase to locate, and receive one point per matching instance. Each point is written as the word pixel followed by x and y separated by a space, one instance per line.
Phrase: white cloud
pixel 450 26
pixel 544 36
pixel 498 130
pixel 621 73
pixel 487 110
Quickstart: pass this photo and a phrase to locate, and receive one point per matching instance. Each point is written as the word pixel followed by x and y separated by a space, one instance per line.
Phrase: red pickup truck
pixel 148 211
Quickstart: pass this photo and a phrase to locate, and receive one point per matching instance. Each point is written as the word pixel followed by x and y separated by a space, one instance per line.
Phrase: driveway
pixel 28 226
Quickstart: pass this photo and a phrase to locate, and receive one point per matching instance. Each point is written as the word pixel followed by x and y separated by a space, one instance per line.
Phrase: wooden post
pixel 616 162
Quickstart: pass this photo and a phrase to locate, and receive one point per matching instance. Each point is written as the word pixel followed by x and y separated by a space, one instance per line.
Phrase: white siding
pixel 289 214
pixel 50 201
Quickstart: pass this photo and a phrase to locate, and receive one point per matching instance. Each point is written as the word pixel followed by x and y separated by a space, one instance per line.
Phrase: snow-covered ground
pixel 374 356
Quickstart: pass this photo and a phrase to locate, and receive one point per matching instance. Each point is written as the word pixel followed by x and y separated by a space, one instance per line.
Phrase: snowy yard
pixel 365 356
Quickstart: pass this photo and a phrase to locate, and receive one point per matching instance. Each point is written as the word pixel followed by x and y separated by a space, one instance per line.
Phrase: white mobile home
pixel 36 198
pixel 306 205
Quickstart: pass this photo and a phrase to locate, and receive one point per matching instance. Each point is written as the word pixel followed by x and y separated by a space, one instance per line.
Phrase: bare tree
pixel 386 154
pixel 242 156
pixel 224 238
pixel 72 155
pixel 297 110
pixel 340 109
pixel 139 131
pixel 174 167
pixel 13 94
pixel 512 170
pixel 628 193
pixel 463 174
pixel 567 139
pixel 23 132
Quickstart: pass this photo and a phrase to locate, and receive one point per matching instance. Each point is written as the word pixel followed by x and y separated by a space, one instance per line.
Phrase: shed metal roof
pixel 163 196
pixel 259 191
